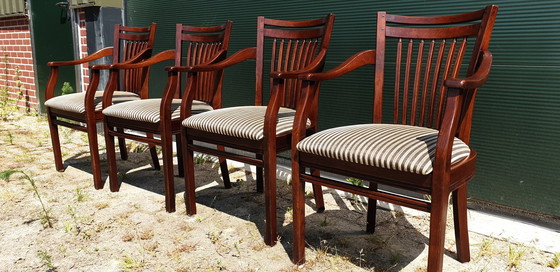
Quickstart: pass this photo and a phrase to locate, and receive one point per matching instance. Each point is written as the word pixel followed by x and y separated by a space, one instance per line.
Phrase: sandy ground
pixel 96 230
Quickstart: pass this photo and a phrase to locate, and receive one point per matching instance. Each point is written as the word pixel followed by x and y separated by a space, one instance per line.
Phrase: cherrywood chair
pixel 295 47
pixel 81 111
pixel 423 147
pixel 193 46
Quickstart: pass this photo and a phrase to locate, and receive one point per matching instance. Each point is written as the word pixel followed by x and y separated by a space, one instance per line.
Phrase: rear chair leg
pixel 153 152
pixel 318 193
pixel 371 210
pixel 224 169
pixel 122 146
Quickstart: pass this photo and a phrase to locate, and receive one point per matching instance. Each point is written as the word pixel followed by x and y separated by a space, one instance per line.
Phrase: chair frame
pixel 206 37
pixel 266 149
pixel 87 122
pixel 456 120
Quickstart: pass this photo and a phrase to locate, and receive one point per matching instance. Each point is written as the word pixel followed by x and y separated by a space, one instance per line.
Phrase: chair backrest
pixel 199 45
pixel 128 43
pixel 293 45
pixel 423 52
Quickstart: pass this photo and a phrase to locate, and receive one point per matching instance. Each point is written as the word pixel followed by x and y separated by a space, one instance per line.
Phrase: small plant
pixel 555 263
pixel 214 236
pixel 355 182
pixel 325 222
pixel 72 212
pixel 10 138
pixel 514 257
pixel 128 263
pixel 67 88
pixel 200 159
pixel 46 259
pixel 80 195
pixel 46 216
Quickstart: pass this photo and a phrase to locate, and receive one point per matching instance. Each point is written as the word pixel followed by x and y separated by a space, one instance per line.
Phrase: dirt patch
pixel 96 230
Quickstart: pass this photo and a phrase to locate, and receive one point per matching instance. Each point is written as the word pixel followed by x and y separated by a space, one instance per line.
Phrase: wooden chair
pixel 193 46
pixel 423 147
pixel 81 111
pixel 295 47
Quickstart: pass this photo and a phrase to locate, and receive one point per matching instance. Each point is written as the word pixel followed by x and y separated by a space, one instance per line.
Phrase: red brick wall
pixel 16 63
pixel 83 48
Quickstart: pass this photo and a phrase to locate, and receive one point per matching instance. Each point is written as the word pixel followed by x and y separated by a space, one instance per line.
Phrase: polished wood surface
pixel 193 46
pixel 430 89
pixel 130 44
pixel 294 47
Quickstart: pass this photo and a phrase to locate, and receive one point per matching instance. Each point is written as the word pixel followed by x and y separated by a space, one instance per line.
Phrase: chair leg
pixel 438 218
pixel 270 194
pixel 114 183
pixel 371 210
pixel 55 139
pixel 122 146
pixel 168 178
pixel 224 169
pixel 260 178
pixel 461 227
pixel 180 165
pixel 318 193
pixel 189 176
pixel 91 129
pixel 298 222
pixel 153 153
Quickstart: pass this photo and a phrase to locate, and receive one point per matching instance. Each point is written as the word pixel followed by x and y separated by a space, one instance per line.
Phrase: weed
pixel 214 237
pixel 5 175
pixel 325 222
pixel 355 182
pixel 80 195
pixel 361 257
pixel 136 147
pixel 66 88
pixel 46 259
pixel 72 212
pixel 10 138
pixel 514 257
pixel 128 263
pixel 555 262
pixel 202 158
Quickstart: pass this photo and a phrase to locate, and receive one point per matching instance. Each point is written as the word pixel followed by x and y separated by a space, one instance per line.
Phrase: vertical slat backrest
pixel 293 46
pixel 129 42
pixel 199 45
pixel 424 51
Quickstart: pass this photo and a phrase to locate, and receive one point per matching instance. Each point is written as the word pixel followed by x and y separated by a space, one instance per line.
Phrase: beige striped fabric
pixel 396 147
pixel 148 110
pixel 75 102
pixel 244 122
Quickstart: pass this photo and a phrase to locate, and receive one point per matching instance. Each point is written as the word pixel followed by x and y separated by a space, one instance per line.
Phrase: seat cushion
pixel 147 110
pixel 396 147
pixel 75 102
pixel 244 122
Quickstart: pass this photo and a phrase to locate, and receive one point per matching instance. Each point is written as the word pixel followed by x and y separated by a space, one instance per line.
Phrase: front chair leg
pixel 91 130
pixel 270 196
pixel 114 183
pixel 189 195
pixel 298 211
pixel 55 139
pixel 460 222
pixel 438 219
pixel 168 178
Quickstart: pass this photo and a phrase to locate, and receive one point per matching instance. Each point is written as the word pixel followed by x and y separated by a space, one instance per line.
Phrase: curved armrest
pixel 312 67
pixel 162 56
pixel 477 79
pixel 354 62
pixel 97 55
pixel 239 56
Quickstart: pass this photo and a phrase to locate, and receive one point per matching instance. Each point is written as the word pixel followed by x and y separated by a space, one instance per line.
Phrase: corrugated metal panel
pixel 516 123
pixel 97 3
pixel 10 8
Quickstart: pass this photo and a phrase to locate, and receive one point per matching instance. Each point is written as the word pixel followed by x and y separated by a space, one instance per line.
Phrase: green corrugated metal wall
pixel 516 120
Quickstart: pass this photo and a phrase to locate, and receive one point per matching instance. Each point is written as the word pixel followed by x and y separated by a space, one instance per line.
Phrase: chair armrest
pixel 97 55
pixel 477 79
pixel 314 66
pixel 162 56
pixel 239 56
pixel 354 62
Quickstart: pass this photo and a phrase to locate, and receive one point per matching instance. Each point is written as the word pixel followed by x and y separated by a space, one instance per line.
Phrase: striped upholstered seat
pixel 148 110
pixel 244 122
pixel 396 147
pixel 75 102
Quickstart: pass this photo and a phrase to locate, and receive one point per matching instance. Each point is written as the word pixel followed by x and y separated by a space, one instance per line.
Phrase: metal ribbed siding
pixel 516 119
pixel 11 8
